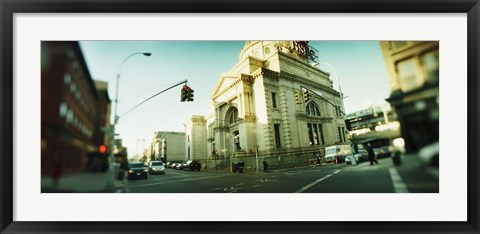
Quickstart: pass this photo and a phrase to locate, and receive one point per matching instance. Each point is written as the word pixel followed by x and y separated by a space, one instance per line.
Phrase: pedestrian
pixel 265 166
pixel 371 154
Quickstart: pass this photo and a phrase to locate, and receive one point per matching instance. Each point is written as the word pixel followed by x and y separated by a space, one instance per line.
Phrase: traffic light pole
pixel 310 91
pixel 136 106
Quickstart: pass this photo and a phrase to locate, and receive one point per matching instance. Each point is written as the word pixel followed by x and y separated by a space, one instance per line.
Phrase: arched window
pixel 312 109
pixel 233 116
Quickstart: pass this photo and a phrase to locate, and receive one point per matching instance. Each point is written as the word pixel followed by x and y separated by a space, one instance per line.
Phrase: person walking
pixel 265 166
pixel 371 154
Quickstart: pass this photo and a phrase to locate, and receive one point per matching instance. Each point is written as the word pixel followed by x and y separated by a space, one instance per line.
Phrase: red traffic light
pixel 102 149
pixel 185 87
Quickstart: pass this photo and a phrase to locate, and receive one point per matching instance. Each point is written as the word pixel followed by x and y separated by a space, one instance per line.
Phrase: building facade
pixel 168 146
pixel 196 138
pixel 73 111
pixel 413 69
pixel 253 106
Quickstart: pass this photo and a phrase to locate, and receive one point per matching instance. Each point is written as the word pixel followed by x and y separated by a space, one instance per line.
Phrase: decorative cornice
pixel 245 78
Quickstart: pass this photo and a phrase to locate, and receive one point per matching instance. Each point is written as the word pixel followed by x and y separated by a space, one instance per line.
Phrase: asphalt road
pixel 411 177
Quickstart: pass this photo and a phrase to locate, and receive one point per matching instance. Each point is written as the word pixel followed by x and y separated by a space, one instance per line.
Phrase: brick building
pixel 73 110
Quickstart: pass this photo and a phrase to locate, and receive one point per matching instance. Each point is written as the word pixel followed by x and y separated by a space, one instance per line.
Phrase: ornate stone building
pixel 254 105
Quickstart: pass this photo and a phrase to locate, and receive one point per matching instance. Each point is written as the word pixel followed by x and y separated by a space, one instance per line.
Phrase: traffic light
pixel 297 98
pixel 306 96
pixel 102 149
pixel 190 95
pixel 184 93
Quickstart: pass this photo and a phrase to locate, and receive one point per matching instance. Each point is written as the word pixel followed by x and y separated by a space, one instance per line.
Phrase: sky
pixel 358 64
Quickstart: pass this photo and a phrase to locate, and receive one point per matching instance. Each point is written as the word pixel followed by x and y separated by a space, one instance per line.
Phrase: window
pixel 430 64
pixel 406 75
pixel 63 109
pixel 310 133
pixel 312 109
pixel 233 116
pixel 69 115
pixel 67 78
pixel 274 100
pixel 320 132
pixel 315 134
pixel 276 128
pixel 340 134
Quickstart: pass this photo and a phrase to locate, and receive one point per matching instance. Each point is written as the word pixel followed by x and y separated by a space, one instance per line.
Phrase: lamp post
pixel 337 77
pixel 339 90
pixel 112 163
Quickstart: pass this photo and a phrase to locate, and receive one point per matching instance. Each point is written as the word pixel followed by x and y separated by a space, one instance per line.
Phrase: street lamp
pixel 118 79
pixel 111 169
pixel 337 77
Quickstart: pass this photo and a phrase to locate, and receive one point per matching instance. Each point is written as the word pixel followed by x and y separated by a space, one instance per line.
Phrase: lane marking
pixel 216 189
pixel 267 180
pixel 240 184
pixel 166 182
pixel 316 181
pixel 397 181
pixel 312 184
pixel 257 185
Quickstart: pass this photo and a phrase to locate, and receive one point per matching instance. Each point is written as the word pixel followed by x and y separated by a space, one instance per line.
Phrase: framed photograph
pixel 239 117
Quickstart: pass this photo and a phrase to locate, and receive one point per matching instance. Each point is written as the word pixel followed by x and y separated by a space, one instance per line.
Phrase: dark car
pixel 192 165
pixel 137 170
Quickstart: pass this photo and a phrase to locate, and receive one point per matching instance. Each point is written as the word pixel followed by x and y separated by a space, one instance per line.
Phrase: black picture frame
pixel 10 7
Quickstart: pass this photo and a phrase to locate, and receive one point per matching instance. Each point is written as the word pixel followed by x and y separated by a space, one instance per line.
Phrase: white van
pixel 337 151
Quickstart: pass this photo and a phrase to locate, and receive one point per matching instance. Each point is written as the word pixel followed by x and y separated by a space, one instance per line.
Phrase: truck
pixel 337 153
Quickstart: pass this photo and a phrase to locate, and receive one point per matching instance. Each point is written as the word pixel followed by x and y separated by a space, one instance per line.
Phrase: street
pixel 411 177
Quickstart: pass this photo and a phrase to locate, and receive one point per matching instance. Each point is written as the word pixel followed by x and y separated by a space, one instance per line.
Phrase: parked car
pixel 359 157
pixel 156 167
pixel 383 151
pixel 192 165
pixel 168 164
pixel 136 170
pixel 177 165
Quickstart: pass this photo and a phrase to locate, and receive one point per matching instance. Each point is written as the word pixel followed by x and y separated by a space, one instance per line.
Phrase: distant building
pixel 254 104
pixel 73 111
pixel 370 118
pixel 167 146
pixel 377 125
pixel 196 138
pixel 413 69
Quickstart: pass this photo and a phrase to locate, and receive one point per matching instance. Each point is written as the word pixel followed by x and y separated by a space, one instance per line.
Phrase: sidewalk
pixel 253 170
pixel 85 182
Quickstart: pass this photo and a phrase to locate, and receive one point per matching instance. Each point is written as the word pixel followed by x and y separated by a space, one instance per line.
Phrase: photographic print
pixel 357 116
pixel 316 117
